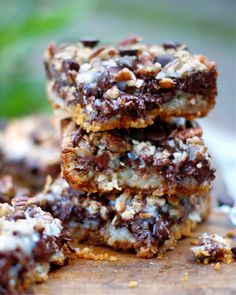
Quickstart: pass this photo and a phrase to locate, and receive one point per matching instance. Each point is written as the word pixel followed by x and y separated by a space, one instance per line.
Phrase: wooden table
pixel 176 273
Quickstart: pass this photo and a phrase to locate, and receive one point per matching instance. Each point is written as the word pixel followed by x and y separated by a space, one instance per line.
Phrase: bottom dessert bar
pixel 149 225
pixel 30 241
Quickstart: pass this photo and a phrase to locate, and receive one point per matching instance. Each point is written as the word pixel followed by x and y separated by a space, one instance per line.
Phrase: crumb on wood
pixel 167 266
pixel 160 256
pixel 230 234
pixel 217 266
pixel 151 263
pixel 133 284
pixel 113 258
pixel 87 253
pixel 194 242
pixel 185 277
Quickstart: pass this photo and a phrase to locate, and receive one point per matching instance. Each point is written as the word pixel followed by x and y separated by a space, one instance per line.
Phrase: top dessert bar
pixel 128 85
pixel 29 150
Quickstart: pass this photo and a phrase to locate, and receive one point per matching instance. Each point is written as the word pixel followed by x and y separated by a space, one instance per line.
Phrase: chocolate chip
pixel 233 250
pixel 162 162
pixel 161 231
pixel 47 70
pixel 69 64
pixel 164 59
pixel 34 170
pixel 156 135
pixel 72 76
pixel 36 137
pixel 89 42
pixel 76 137
pixel 89 90
pixel 139 134
pixel 226 200
pixel 126 62
pixel 171 44
pixel 19 201
pixel 17 215
pixel 189 133
pixel 102 161
pixel 130 52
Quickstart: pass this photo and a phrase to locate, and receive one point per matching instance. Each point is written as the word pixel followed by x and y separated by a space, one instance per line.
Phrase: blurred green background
pixel 27 26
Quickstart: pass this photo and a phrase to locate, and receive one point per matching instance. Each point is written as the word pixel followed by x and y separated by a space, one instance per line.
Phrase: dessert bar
pixel 167 157
pixel 129 84
pixel 30 149
pixel 30 241
pixel 143 223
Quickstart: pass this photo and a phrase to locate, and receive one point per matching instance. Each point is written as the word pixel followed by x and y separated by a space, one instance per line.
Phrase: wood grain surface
pixel 175 274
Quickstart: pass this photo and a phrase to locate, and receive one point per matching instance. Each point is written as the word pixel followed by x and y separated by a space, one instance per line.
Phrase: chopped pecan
pixel 70 64
pixel 129 41
pixel 124 75
pixel 174 200
pixel 188 133
pixel 145 215
pixel 113 92
pixel 51 50
pixel 20 201
pixel 166 83
pixel 148 72
pixel 97 52
pixel 104 53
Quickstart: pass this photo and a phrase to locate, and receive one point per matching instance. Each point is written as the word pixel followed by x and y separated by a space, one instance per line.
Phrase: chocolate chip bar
pixel 128 85
pixel 125 221
pixel 165 158
pixel 30 150
pixel 30 241
pixel 9 189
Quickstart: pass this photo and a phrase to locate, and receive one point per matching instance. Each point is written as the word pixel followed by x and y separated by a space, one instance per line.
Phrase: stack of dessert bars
pixel 136 173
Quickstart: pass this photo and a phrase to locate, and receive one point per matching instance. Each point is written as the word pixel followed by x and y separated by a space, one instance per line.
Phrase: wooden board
pixel 154 276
